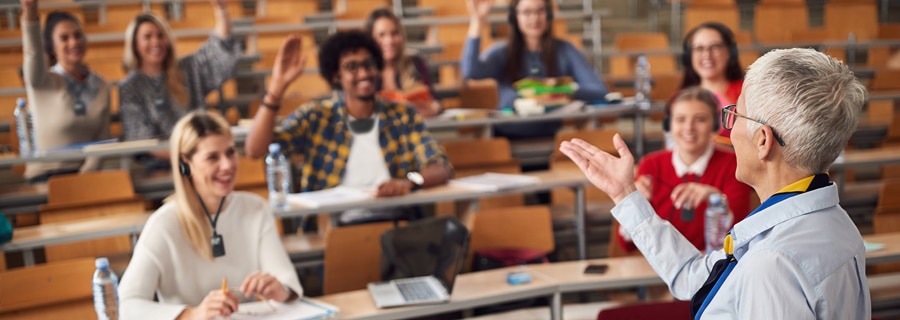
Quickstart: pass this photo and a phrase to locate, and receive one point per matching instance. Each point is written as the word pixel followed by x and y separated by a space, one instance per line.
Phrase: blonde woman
pixel 69 103
pixel 160 88
pixel 206 232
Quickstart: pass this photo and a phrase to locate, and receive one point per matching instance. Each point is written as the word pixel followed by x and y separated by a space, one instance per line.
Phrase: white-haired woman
pixel 205 233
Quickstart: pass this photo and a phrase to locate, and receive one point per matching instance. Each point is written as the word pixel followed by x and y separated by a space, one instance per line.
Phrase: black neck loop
pixel 212 221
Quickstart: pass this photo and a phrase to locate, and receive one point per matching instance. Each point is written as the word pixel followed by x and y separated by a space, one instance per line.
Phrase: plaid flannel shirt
pixel 318 130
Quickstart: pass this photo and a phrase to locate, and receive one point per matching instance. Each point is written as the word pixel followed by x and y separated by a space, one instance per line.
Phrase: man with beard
pixel 352 139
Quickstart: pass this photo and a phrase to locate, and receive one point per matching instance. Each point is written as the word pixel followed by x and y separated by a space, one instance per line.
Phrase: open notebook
pixel 322 198
pixel 494 181
pixel 303 309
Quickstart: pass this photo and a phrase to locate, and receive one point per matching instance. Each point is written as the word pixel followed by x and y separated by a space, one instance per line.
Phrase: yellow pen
pixel 224 285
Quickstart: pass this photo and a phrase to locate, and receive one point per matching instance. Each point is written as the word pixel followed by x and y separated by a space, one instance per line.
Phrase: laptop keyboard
pixel 416 290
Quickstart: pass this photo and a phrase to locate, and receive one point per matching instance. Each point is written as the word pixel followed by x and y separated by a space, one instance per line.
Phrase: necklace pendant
pixel 218 245
pixel 79 108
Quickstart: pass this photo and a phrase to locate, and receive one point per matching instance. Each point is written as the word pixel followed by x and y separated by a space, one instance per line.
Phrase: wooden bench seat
pixel 58 290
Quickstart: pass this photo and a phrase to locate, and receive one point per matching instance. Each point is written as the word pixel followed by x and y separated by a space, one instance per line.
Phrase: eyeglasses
pixel 729 116
pixel 353 66
pixel 532 12
pixel 717 47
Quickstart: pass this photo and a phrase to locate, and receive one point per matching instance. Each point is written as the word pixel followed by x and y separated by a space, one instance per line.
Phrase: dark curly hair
pixel 53 19
pixel 342 43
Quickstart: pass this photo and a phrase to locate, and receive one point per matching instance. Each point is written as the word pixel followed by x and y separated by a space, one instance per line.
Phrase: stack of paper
pixel 494 181
pixel 336 195
pixel 305 309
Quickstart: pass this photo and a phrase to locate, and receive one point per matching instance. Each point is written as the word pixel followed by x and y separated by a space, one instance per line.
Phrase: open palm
pixel 479 9
pixel 614 176
pixel 218 3
pixel 289 62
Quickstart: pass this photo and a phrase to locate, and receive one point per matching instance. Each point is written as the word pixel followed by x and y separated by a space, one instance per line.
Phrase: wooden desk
pixel 465 198
pixel 867 157
pixel 471 290
pixel 862 158
pixel 28 238
pixel 489 287
pixel 890 252
pixel 590 113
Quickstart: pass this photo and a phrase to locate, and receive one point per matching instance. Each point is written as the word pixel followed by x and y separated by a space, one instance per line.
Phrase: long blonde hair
pixel 182 144
pixel 132 60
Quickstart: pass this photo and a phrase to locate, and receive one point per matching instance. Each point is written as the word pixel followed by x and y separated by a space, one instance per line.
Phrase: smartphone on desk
pixel 596 269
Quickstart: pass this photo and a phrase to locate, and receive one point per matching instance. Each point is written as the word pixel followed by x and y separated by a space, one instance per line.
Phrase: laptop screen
pixel 429 247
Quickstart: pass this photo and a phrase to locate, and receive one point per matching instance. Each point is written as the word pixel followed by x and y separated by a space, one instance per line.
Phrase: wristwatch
pixel 416 178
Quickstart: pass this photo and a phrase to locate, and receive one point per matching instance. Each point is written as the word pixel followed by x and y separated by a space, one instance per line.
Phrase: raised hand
pixel 614 176
pixel 29 9
pixel 289 64
pixel 264 285
pixel 217 3
pixel 479 9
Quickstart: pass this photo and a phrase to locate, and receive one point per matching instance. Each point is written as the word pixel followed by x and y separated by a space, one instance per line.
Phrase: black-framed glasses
pixel 353 66
pixel 716 47
pixel 729 116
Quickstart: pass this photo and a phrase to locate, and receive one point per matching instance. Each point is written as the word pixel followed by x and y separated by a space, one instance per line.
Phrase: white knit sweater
pixel 165 263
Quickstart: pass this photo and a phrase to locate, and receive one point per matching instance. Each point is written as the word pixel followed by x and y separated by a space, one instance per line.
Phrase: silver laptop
pixel 411 291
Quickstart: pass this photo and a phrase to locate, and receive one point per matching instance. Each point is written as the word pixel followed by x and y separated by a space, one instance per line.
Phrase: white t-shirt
pixel 365 170
pixel 365 165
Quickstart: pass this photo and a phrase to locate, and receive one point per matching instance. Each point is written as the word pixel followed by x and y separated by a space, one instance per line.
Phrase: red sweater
pixel 730 97
pixel 719 174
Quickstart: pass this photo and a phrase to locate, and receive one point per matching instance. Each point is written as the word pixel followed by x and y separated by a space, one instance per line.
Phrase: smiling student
pixel 160 87
pixel 678 182
pixel 531 51
pixel 402 70
pixel 68 102
pixel 206 232
pixel 353 139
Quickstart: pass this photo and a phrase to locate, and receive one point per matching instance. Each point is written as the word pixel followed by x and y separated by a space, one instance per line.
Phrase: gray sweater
pixel 203 72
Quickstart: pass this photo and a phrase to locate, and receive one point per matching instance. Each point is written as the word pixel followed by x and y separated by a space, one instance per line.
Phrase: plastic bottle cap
pixel 715 198
pixel 274 148
pixel 20 102
pixel 101 263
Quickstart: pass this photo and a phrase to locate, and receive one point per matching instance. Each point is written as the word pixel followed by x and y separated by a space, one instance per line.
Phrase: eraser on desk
pixel 518 277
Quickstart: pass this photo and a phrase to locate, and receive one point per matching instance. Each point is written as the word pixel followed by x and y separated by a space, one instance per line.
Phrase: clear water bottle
pixel 642 83
pixel 106 286
pixel 718 221
pixel 24 128
pixel 278 176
